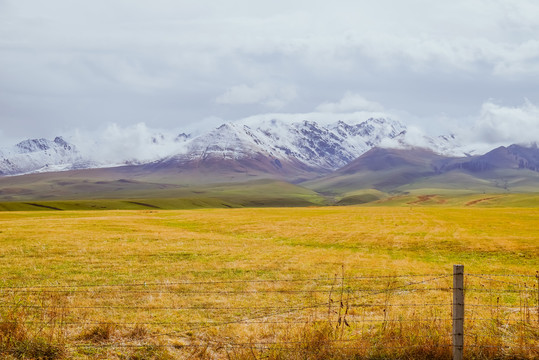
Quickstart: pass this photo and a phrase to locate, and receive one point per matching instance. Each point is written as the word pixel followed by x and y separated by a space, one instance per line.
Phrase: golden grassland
pixel 207 283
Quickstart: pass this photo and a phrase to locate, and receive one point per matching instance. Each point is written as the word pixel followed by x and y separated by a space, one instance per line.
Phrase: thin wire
pixel 501 291
pixel 398 305
pixel 190 292
pixel 495 280
pixel 306 321
pixel 34 306
pixel 146 284
pixel 224 292
pixel 494 306
pixel 217 282
pixel 148 307
pixel 503 346
pixel 502 275
pixel 509 336
pixel 501 320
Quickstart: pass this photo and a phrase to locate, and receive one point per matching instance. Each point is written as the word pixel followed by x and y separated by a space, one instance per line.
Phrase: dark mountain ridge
pixel 511 157
pixel 394 170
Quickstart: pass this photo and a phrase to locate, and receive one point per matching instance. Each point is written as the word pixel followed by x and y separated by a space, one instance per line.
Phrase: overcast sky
pixel 460 65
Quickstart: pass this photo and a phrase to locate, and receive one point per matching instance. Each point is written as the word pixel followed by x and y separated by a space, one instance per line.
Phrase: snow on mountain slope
pixel 317 146
pixel 39 155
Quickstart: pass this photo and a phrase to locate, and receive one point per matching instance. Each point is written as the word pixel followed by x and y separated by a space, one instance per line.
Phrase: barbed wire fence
pixel 448 315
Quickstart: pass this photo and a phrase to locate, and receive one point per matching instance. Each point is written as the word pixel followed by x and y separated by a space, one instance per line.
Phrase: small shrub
pixel 99 333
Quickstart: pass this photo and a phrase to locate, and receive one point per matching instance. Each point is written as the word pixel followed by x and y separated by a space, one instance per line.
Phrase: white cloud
pixel 272 95
pixel 499 124
pixel 117 144
pixel 349 103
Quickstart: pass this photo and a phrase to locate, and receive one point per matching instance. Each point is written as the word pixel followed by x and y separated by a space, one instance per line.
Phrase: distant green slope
pixel 56 193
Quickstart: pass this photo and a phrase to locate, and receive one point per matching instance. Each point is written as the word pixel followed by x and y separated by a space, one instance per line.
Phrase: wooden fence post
pixel 458 311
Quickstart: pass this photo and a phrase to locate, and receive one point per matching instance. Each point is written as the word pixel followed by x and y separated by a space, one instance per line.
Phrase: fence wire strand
pixel 188 282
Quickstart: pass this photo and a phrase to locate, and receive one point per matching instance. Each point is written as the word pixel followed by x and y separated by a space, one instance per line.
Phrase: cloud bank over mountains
pixel 499 124
pixel 68 65
pixel 120 144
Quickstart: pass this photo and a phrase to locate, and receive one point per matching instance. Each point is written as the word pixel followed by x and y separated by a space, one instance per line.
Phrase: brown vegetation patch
pixel 473 202
pixel 424 198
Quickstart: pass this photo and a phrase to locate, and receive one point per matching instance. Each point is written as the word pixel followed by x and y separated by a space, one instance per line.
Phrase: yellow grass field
pixel 266 283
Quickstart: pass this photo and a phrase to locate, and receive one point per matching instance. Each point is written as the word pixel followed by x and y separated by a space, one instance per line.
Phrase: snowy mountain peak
pixel 183 137
pixel 35 155
pixel 61 142
pixel 32 145
pixel 35 145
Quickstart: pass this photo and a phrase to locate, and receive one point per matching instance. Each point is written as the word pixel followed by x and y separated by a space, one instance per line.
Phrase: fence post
pixel 458 311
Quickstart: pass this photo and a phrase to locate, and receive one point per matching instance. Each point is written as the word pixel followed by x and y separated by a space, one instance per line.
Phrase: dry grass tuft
pixel 21 341
pixel 100 333
pixel 139 332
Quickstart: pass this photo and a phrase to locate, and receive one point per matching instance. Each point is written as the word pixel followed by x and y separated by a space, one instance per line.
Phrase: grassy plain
pixel 278 194
pixel 216 265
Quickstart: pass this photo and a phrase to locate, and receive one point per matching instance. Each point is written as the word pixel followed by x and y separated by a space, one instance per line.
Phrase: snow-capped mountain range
pixel 317 146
